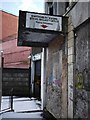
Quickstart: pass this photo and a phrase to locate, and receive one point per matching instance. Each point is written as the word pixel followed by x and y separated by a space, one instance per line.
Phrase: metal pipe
pixel 11 100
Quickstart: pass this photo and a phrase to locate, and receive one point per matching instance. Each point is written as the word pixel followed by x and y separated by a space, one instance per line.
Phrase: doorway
pixel 37 80
pixel 38 77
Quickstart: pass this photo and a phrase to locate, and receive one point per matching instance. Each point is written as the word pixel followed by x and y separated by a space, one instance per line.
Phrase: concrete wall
pixel 70 67
pixel 82 71
pixel 16 79
pixel 77 69
pixel 56 69
pixel 80 13
pixel 78 61
pixel 58 8
pixel 56 77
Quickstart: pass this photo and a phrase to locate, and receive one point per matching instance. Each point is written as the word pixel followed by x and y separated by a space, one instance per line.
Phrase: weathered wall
pixel 56 78
pixel 80 13
pixel 64 99
pixel 82 71
pixel 70 67
pixel 80 58
pixel 16 79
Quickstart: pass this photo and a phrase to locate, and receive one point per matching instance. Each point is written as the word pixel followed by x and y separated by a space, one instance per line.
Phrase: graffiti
pixel 56 82
pixel 79 80
pixel 82 79
pixel 81 94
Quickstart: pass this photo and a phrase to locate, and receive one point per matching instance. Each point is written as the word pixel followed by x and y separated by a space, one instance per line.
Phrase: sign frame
pixel 48 34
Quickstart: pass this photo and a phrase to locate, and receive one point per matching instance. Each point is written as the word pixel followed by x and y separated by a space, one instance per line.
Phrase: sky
pixel 13 6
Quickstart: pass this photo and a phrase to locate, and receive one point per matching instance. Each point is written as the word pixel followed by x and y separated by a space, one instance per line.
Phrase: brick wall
pixel 0 26
pixel 14 56
pixel 9 24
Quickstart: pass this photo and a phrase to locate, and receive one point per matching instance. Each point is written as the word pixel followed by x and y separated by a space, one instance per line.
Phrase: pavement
pixel 26 116
pixel 21 104
pixel 24 108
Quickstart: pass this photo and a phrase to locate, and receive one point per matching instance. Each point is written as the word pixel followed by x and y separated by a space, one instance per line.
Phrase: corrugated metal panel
pixel 15 82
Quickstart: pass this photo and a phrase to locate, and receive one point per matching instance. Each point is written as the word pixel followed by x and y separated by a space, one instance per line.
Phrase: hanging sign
pixel 45 22
pixel 38 30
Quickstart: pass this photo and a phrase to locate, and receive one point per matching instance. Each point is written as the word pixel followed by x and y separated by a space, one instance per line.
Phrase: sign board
pixel 44 22
pixel 37 30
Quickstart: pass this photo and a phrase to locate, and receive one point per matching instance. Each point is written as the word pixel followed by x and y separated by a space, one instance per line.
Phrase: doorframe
pixel 43 79
pixel 40 56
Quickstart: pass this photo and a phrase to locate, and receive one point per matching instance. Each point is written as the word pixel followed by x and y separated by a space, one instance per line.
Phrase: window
pixel 55 10
pixel 50 8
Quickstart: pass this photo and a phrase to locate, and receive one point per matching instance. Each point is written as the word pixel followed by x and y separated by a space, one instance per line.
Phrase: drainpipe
pixel 11 100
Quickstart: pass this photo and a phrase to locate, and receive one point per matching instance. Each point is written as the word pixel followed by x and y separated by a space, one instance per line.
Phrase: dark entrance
pixel 37 80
